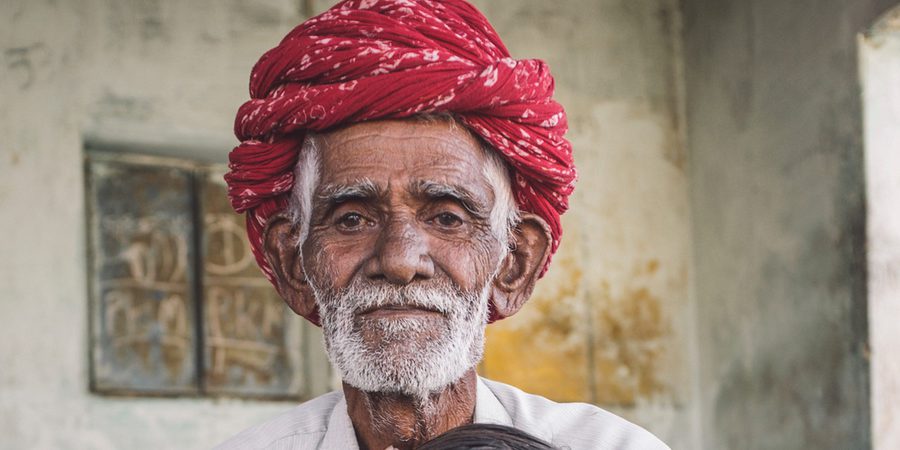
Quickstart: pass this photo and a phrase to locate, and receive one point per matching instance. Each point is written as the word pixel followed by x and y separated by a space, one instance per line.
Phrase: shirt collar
pixel 340 432
pixel 488 408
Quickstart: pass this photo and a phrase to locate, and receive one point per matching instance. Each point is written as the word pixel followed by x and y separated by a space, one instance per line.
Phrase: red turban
pixel 389 59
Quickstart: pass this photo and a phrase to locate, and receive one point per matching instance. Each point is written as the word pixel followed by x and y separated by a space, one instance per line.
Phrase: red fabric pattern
pixel 387 59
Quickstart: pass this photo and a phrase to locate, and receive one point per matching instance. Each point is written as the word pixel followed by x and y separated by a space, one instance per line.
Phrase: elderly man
pixel 403 179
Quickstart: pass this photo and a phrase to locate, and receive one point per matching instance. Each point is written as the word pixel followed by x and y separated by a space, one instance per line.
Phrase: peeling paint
pixel 631 334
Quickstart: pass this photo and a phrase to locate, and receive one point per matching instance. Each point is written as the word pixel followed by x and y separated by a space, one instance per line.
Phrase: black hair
pixel 483 436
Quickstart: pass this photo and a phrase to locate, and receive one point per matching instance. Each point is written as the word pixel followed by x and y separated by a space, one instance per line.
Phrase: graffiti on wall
pixel 166 249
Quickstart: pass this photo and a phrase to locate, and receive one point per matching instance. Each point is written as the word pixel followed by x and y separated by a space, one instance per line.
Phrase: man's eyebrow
pixel 337 193
pixel 437 190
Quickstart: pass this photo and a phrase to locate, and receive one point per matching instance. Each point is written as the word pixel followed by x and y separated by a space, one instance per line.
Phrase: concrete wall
pixel 776 187
pixel 610 323
pixel 880 69
pixel 148 70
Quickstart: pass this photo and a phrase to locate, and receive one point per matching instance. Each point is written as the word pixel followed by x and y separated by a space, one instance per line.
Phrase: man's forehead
pixel 433 133
pixel 387 152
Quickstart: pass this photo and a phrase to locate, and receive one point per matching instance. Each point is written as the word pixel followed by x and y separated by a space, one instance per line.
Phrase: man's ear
pixel 281 251
pixel 522 266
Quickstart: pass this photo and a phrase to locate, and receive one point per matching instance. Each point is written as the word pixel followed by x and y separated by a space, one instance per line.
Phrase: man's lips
pixel 398 310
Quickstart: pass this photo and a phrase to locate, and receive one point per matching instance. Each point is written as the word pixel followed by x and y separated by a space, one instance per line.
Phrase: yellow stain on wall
pixel 515 358
pixel 631 335
pixel 608 351
pixel 543 349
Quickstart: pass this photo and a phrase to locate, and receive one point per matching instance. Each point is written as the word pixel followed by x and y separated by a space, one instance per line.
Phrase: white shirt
pixel 323 423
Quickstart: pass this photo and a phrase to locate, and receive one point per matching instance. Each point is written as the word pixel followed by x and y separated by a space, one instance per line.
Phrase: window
pixel 178 306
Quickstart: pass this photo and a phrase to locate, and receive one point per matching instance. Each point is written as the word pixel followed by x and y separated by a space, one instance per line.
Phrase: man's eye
pixel 351 221
pixel 448 220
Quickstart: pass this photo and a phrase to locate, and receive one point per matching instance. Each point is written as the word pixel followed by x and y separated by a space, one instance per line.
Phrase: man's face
pixel 400 253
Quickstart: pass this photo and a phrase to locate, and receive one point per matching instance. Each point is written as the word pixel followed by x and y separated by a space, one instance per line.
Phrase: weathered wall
pixel 776 187
pixel 880 69
pixel 610 323
pixel 155 68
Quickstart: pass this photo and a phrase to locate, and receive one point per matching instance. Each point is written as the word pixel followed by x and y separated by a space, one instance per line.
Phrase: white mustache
pixel 363 296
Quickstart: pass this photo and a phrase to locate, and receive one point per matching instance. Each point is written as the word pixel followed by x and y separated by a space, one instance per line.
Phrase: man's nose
pixel 401 254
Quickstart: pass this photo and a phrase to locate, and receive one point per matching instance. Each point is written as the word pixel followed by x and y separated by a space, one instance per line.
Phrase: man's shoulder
pixel 306 423
pixel 575 425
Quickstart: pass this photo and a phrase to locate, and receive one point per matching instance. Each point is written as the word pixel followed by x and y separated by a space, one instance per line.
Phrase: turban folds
pixel 391 59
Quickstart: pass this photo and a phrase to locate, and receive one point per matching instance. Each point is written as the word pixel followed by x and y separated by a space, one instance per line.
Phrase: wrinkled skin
pixel 402 235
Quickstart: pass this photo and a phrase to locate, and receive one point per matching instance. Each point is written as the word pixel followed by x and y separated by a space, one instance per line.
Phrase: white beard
pixel 415 356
